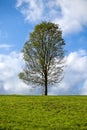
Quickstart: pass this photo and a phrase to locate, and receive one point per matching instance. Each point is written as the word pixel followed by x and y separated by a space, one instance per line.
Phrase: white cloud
pixel 70 15
pixel 75 76
pixel 84 90
pixel 5 46
pixel 31 9
pixel 10 66
pixel 73 15
pixel 74 82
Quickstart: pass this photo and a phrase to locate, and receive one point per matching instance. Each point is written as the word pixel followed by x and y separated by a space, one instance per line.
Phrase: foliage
pixel 43 113
pixel 43 55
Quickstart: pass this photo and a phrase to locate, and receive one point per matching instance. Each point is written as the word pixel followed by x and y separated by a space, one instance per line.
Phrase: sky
pixel 18 18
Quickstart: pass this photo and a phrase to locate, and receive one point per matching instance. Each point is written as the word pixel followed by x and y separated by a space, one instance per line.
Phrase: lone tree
pixel 43 54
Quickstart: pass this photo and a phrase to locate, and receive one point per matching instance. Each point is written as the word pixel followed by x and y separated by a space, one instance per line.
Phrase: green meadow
pixel 43 112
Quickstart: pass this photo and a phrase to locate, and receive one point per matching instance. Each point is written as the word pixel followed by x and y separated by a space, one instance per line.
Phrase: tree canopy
pixel 43 54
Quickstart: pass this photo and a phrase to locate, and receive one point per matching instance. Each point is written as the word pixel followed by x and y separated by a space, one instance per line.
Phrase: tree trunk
pixel 45 91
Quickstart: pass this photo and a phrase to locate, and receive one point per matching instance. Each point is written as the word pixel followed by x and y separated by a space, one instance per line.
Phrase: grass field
pixel 43 112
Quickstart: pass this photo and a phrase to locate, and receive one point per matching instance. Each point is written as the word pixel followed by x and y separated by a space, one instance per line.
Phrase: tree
pixel 43 54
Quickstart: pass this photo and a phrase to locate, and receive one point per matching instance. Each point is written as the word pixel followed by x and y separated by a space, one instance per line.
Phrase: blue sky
pixel 17 20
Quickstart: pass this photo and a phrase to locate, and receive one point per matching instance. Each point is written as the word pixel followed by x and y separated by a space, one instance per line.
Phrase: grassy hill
pixel 43 113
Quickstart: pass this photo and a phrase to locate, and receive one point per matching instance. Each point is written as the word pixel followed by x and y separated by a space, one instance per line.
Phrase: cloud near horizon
pixel 75 75
pixel 70 15
pixel 74 82
pixel 9 69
